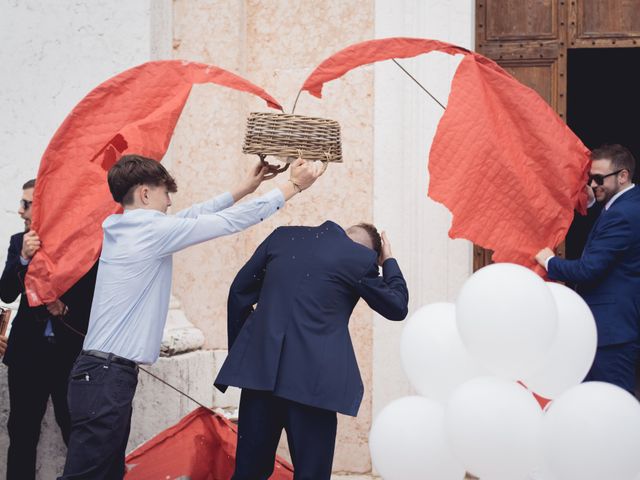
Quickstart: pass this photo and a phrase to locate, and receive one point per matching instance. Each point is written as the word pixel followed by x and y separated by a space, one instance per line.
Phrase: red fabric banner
pixel 202 446
pixel 507 167
pixel 133 112
pixel 372 51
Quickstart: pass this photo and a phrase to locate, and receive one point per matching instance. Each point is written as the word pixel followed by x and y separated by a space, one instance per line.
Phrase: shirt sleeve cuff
pixel 546 262
pixel 24 261
pixel 591 203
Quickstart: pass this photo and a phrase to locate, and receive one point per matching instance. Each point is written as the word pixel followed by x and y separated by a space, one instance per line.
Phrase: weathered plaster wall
pixel 274 44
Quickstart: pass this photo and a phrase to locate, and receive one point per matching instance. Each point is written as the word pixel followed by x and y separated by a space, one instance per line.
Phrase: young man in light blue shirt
pixel 132 293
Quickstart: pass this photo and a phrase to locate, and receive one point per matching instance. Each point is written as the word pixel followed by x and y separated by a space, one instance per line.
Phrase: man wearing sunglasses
pixel 607 274
pixel 42 346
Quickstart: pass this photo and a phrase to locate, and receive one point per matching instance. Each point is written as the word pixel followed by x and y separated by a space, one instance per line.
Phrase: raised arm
pixel 613 238
pixel 176 233
pixel 12 280
pixel 245 290
pixel 386 294
pixel 301 176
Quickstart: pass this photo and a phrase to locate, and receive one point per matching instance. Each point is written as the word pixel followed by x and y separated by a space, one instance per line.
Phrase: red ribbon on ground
pixel 202 446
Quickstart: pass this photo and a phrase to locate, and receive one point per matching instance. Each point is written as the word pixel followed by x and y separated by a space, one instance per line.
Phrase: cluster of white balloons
pixel 470 362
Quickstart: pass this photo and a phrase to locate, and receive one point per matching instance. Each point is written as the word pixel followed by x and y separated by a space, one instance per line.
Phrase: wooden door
pixel 530 38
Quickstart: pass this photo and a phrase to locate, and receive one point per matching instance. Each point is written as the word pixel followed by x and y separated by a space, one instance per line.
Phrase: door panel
pixel 598 23
pixel 528 39
pixel 521 20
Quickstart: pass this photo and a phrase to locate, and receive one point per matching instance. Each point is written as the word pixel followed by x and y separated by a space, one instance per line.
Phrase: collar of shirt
pixel 615 197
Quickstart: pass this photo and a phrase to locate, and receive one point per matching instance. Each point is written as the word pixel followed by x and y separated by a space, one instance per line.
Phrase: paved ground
pixel 353 477
pixel 367 477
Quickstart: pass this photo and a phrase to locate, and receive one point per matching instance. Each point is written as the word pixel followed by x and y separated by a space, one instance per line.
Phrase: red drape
pixel 201 446
pixel 507 167
pixel 133 112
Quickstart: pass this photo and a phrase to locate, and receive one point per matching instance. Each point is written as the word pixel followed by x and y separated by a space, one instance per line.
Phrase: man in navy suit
pixel 292 355
pixel 42 346
pixel 608 273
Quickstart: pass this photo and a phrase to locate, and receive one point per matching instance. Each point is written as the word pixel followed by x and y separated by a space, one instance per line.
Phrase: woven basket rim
pixel 291 115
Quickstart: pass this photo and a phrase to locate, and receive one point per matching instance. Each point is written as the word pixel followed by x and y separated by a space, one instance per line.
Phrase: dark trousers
pixel 31 383
pixel 311 433
pixel 616 364
pixel 100 397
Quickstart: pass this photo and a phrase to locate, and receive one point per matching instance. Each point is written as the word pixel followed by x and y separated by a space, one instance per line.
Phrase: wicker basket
pixel 289 136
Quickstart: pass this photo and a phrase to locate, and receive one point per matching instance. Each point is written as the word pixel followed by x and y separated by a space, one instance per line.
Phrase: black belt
pixel 110 357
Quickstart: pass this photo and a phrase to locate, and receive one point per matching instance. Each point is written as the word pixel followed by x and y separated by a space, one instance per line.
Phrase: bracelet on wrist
pixel 296 186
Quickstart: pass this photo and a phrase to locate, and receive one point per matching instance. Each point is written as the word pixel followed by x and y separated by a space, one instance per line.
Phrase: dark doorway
pixel 603 106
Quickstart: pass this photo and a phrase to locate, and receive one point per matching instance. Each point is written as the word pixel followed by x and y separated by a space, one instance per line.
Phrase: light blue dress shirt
pixel 133 285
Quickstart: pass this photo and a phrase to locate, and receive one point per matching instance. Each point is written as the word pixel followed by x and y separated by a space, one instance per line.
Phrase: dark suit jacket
pixel 608 273
pixel 27 328
pixel 306 282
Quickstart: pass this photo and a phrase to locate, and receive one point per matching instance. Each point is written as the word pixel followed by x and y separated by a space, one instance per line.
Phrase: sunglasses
pixel 25 204
pixel 599 179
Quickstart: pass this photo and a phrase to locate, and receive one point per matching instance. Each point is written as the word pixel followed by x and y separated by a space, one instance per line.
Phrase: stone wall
pixel 274 44
pixel 405 122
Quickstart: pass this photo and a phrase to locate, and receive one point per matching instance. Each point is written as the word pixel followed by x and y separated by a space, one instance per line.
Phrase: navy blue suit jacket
pixel 608 273
pixel 27 328
pixel 306 282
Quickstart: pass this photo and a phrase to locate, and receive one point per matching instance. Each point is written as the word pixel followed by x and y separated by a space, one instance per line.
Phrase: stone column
pixel 405 121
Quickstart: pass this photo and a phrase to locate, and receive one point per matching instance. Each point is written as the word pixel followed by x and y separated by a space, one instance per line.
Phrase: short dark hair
pixel 133 170
pixel 372 231
pixel 30 184
pixel 621 158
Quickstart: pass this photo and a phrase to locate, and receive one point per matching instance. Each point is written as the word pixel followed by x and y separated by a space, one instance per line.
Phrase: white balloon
pixel 592 432
pixel 407 442
pixel 493 427
pixel 507 319
pixel 573 350
pixel 433 355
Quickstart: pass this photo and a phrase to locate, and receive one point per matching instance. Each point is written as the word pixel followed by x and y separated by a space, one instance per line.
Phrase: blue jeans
pixel 100 405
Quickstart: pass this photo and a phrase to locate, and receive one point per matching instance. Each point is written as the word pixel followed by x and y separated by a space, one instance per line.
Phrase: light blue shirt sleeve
pixel 214 205
pixel 173 233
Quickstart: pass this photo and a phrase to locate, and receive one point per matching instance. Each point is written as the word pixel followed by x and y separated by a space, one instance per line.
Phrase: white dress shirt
pixel 133 285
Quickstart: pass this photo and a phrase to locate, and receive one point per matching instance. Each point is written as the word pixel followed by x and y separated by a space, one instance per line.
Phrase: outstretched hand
pixel 543 255
pixel 303 173
pixel 256 175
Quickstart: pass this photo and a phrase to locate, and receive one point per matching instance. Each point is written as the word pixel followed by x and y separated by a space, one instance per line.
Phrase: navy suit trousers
pixel 616 364
pixel 311 434
pixel 30 386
